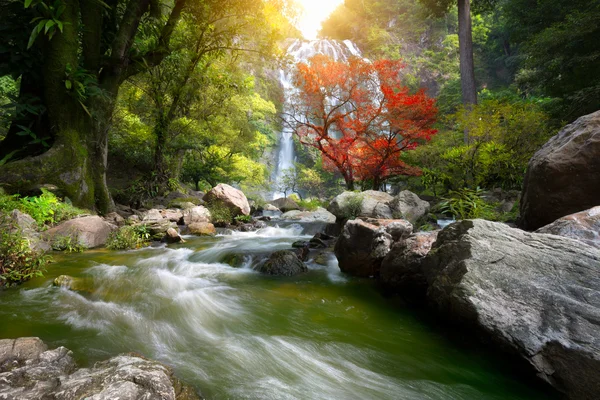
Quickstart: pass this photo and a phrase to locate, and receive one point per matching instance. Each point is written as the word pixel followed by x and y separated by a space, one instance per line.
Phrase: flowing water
pixel 236 334
pixel 301 51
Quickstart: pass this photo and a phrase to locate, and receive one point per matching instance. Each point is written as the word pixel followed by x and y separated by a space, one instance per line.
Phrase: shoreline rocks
pixel 29 371
pixel 535 294
pixel 232 198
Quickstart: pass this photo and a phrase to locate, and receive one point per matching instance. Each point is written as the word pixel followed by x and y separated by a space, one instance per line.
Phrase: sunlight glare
pixel 314 12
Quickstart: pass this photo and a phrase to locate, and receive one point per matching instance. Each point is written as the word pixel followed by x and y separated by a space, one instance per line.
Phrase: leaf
pixel 49 25
pixel 85 109
pixel 68 84
pixel 60 26
pixel 34 34
pixel 28 3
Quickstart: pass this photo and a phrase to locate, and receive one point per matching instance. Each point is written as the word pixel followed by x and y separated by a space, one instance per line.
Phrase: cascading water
pixel 301 51
pixel 236 334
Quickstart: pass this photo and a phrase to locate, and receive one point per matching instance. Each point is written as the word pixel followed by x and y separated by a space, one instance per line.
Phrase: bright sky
pixel 315 11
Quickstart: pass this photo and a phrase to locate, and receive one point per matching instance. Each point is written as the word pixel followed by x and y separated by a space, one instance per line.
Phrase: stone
pixel 202 229
pixel 115 219
pixel 535 294
pixel 269 207
pixel 401 269
pixel 90 231
pixel 158 229
pixel 285 204
pixel 231 197
pixel 563 177
pixel 298 244
pixel 301 252
pixel 373 204
pixel 30 371
pixel 407 205
pixel 173 215
pixel 583 226
pixel 316 243
pixel 172 236
pixel 27 227
pixel 282 263
pixel 397 228
pixel 196 214
pixel 151 216
pixel 319 215
pixel 361 247
pixel 75 284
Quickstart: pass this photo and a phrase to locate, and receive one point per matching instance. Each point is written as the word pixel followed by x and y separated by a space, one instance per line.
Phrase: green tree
pixel 88 49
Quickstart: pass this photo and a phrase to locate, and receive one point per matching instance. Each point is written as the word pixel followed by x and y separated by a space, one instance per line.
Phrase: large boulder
pixel 282 263
pixel 408 206
pixel 535 294
pixel 196 214
pixel 201 229
pixel 91 231
pixel 29 371
pixel 319 215
pixel 583 226
pixel 563 177
pixel 27 227
pixel 401 269
pixel 361 247
pixel 285 204
pixel 232 198
pixel 370 203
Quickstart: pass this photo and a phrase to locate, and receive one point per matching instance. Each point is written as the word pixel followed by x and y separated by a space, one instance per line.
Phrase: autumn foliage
pixel 360 116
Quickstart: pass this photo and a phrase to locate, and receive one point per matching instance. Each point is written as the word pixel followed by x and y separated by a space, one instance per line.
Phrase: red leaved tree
pixel 359 116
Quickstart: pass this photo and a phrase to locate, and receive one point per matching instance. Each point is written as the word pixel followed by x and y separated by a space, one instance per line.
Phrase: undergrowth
pixel 18 262
pixel 128 237
pixel 46 209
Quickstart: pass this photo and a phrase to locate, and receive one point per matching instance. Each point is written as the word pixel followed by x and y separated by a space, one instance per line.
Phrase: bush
pixel 243 218
pixel 68 244
pixel 466 204
pixel 219 213
pixel 18 262
pixel 44 209
pixel 128 237
pixel 310 205
pixel 354 206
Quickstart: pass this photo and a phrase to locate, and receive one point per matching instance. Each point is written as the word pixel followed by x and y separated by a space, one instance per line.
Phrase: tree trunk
pixel 349 184
pixel 467 65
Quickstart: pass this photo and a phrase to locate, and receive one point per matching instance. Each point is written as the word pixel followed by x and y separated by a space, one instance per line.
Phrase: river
pixel 235 334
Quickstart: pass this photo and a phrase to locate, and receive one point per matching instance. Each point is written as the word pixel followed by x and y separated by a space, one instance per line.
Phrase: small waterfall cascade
pixel 300 51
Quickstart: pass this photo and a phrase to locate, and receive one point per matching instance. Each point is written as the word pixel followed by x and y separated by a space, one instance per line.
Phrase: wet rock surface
pixel 535 294
pixel 29 371
pixel 89 231
pixel 282 263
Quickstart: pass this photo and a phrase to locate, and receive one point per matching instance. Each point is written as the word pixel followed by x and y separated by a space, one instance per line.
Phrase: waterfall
pixel 299 51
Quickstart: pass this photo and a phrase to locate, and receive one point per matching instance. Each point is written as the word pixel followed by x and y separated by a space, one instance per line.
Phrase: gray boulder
pixel 285 204
pixel 408 206
pixel 583 226
pixel 563 177
pixel 370 203
pixel 535 294
pixel 282 263
pixel 196 214
pixel 90 231
pixel 361 247
pixel 402 270
pixel 29 371
pixel 172 236
pixel 229 196
pixel 27 227
pixel 319 215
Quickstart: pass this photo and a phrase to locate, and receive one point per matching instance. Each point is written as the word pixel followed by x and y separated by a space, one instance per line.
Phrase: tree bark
pixel 467 65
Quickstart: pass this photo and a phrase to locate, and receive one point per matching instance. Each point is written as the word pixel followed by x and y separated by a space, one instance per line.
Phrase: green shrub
pixel 18 262
pixel 68 244
pixel 46 209
pixel 466 204
pixel 310 205
pixel 353 206
pixel 243 218
pixel 128 237
pixel 219 212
